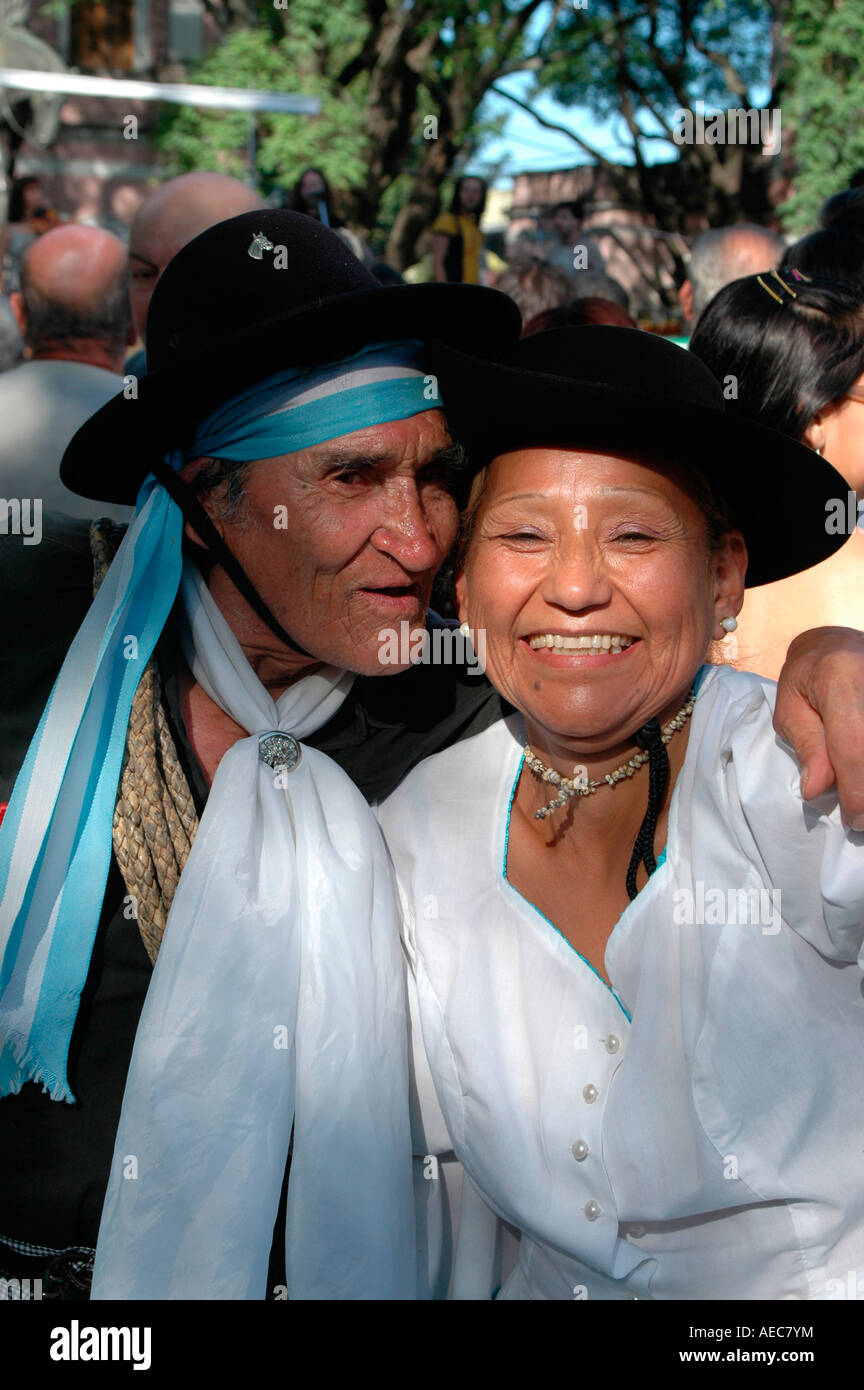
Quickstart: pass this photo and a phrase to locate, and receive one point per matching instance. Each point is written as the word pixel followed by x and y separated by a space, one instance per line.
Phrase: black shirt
pixel 55 1157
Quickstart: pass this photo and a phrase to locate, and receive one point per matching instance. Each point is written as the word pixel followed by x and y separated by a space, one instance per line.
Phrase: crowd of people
pixel 331 976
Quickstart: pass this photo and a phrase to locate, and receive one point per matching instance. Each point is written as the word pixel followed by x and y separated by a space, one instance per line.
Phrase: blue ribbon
pixel 56 835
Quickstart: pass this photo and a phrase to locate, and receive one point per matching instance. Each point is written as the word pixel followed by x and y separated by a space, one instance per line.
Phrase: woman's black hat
pixel 624 391
pixel 246 298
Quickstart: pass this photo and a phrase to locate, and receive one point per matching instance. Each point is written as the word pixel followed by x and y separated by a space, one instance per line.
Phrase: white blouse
pixel 697 1132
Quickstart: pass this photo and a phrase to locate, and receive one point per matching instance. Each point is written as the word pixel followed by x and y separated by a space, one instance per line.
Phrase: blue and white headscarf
pixel 277 1001
pixel 55 840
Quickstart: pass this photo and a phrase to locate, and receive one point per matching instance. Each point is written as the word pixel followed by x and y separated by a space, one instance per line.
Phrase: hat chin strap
pixel 195 514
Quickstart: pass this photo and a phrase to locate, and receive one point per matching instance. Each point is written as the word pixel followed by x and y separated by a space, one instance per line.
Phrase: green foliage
pixel 194 139
pixel 304 48
pixel 665 55
pixel 823 102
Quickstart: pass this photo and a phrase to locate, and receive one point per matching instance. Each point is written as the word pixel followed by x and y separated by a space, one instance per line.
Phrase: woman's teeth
pixel 590 642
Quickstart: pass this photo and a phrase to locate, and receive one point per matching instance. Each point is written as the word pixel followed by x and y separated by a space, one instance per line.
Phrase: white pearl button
pixel 579 1150
pixel 612 1043
pixel 590 1093
pixel 593 1210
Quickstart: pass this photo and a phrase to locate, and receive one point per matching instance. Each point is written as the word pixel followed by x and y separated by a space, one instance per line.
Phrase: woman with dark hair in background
pixel 789 351
pixel 313 195
pixel 457 243
pixel 835 251
pixel 837 248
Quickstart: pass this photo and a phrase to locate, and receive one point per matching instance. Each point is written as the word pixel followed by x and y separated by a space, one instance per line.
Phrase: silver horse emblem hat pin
pixel 260 243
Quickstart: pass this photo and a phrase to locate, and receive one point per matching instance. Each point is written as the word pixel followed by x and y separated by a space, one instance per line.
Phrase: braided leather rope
pixel 154 817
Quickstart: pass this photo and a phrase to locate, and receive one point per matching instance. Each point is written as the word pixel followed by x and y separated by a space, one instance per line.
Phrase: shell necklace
pixel 581 785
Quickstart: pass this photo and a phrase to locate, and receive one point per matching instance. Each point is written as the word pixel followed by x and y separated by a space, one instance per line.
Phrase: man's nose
pixel 577 577
pixel 406 532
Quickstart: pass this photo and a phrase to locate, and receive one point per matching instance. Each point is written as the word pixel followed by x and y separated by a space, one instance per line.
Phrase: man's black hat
pixel 624 392
pixel 248 297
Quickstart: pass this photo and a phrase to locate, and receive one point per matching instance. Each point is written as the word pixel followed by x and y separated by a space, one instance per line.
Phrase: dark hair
pixel 106 318
pixel 835 252
pixel 16 198
pixel 297 203
pixel 577 208
pixel 230 476
pixel 844 209
pixel 789 359
pixel 478 211
pixel 582 313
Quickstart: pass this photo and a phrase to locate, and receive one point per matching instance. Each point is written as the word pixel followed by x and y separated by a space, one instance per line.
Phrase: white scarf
pixel 277 999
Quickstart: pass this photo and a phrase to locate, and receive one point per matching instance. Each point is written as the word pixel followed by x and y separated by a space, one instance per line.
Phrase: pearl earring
pixel 465 629
pixel 728 624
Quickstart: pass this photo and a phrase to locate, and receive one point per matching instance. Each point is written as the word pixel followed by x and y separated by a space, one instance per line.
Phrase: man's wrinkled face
pixel 343 540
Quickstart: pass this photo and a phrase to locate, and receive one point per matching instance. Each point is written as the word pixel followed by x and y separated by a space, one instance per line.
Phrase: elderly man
pixel 722 255
pixel 289 429
pixel 73 313
pixel 320 524
pixel 170 217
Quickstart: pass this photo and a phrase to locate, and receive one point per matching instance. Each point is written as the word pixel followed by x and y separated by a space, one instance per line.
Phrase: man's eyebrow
pixel 136 256
pixel 453 453
pixel 352 458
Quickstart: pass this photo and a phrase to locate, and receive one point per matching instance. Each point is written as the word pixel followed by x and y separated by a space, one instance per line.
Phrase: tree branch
pixel 561 129
pixel 733 79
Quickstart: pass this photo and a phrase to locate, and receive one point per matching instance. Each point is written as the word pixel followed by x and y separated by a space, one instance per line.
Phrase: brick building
pixel 645 260
pixel 97 170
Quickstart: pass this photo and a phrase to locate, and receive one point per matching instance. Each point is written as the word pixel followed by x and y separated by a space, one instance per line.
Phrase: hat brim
pixel 777 490
pixel 111 454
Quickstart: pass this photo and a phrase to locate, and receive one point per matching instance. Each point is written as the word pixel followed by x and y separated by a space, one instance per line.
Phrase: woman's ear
pixel 814 435
pixel 730 568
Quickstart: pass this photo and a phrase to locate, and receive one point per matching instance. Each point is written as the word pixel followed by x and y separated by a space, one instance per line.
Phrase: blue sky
pixel 527 145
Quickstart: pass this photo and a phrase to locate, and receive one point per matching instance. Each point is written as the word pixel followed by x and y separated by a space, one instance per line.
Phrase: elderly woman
pixel 633 942
pixel 167 838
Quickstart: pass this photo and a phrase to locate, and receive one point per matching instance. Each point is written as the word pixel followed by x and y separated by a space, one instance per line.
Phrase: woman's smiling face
pixel 577 546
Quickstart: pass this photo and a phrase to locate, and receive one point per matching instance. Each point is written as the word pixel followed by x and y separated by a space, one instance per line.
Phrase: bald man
pixel 169 218
pixel 722 255
pixel 73 313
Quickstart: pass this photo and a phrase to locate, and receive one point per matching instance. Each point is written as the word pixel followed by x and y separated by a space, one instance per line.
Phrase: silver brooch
pixel 260 243
pixel 279 751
